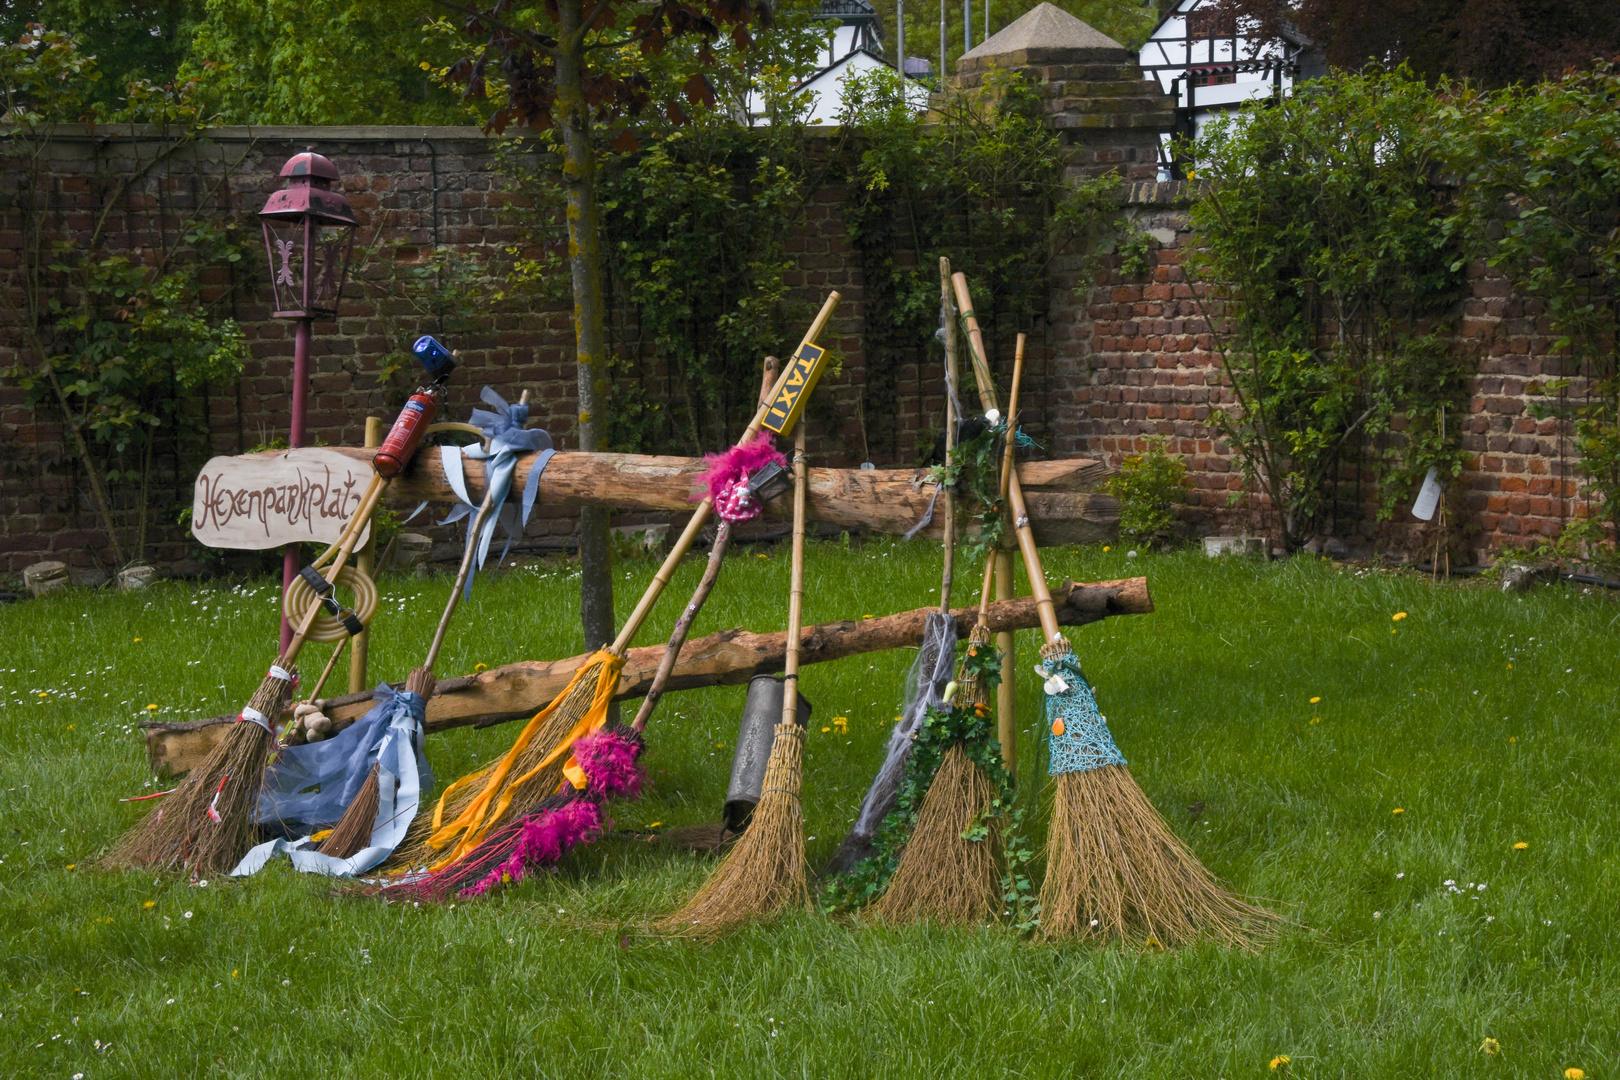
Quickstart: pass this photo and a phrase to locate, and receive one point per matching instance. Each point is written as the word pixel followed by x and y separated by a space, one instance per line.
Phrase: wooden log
pixel 730 657
pixel 1062 508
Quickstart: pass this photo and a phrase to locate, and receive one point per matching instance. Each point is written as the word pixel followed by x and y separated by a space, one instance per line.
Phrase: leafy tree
pixel 131 40
pixel 1491 43
pixel 1319 227
pixel 326 62
pixel 1541 201
pixel 565 66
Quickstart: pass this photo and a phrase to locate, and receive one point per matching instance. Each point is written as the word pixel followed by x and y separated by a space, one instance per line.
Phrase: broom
pixel 764 872
pixel 951 868
pixel 354 830
pixel 1114 867
pixel 607 760
pixel 207 823
pixel 936 654
pixel 516 784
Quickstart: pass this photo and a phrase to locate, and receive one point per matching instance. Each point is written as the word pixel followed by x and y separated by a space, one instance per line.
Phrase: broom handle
pixel 948 311
pixel 327 670
pixel 484 510
pixel 345 548
pixel 1006 471
pixel 1026 536
pixel 700 595
pixel 700 516
pixel 790 665
pixel 976 353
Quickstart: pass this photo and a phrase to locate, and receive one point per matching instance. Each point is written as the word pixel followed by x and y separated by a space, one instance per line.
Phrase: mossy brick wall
pixel 1134 360
pixel 1111 361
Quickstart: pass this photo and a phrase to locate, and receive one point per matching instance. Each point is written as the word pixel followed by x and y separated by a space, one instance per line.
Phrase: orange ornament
pixel 1057 727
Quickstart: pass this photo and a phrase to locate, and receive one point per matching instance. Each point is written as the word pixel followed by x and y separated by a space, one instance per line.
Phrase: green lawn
pixel 1485 719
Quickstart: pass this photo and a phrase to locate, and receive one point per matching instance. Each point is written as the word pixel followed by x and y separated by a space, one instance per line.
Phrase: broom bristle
pixel 353 830
pixel 527 792
pixel 207 824
pixel 764 872
pixel 1115 869
pixel 941 875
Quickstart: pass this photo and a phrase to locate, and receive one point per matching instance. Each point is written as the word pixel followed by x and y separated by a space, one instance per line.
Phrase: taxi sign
pixel 803 371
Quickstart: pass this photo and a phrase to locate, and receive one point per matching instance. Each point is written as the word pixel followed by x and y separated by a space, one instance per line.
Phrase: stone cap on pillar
pixel 1046 34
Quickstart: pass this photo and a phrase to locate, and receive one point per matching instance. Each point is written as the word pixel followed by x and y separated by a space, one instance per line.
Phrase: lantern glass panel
pixel 308 264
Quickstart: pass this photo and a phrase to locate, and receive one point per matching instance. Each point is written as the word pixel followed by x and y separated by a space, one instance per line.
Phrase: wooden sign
pixel 263 501
pixel 803 371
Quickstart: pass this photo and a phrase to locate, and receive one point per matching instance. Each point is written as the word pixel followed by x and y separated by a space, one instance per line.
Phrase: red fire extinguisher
pixel 406 434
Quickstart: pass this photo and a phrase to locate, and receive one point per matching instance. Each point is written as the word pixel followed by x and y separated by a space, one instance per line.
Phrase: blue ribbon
pixel 508 438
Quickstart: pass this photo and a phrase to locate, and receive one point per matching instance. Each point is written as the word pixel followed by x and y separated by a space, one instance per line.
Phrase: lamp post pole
pixel 292 555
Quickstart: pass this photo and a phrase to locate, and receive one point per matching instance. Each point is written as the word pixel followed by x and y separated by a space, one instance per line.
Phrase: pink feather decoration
pixel 609 758
pixel 544 840
pixel 735 464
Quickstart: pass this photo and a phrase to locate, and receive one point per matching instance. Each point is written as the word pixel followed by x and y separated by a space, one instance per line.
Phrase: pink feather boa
pixel 609 758
pixel 545 839
pixel 735 464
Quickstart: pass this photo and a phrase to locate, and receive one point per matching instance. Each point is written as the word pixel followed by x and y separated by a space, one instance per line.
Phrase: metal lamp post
pixel 308 238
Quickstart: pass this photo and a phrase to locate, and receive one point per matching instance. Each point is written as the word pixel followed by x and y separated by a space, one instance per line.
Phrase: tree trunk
pixel 585 268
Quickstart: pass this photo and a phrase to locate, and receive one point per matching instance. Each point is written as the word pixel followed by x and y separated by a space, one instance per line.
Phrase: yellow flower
pixel 71 865
pixel 426 66
pixel 44 693
pixel 1315 700
pixel 762 555
pixel 137 641
pixel 1105 547
pixel 1490 1046
pixel 480 667
pixel 1397 810
pixel 152 707
pixel 150 904
pixel 1398 616
pixel 1279 1061
pixel 842 724
pixel 1316 719
pixel 322 835
pixel 1510 665
pixel 1513 738
pixel 1572 1073
pixel 655 825
pixel 1520 846
pixel 866 616
pixel 70 727
pixel 236 972
pixel 825 730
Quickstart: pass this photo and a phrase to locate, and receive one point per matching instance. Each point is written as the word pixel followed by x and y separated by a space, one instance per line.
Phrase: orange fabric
pixel 475 822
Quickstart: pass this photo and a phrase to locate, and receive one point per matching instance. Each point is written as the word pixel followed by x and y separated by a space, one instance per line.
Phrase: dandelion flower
pixel 150 904
pixel 1316 719
pixel 825 730
pixel 137 641
pixel 1398 616
pixel 1572 1073
pixel 1490 1046
pixel 152 707
pixel 1316 700
pixel 1105 547
pixel 1398 810
pixel 655 825
pixel 1520 846
pixel 1279 1061
pixel 480 667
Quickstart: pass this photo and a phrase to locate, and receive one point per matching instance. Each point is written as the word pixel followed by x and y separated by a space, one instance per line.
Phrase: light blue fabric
pixel 403 777
pixel 1085 743
pixel 507 437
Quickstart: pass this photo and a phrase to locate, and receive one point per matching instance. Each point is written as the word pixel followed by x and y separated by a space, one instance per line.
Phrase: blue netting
pixel 1082 742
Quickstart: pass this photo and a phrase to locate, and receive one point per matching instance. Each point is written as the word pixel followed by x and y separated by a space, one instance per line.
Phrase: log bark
pixel 730 657
pixel 1062 509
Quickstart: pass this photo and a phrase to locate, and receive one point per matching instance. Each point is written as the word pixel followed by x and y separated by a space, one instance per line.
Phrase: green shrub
pixel 1149 486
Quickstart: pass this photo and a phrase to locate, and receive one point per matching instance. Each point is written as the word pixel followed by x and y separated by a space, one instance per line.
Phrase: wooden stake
pixel 366 563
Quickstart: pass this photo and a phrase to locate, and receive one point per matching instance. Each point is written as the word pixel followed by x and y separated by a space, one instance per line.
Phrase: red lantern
pixel 308 237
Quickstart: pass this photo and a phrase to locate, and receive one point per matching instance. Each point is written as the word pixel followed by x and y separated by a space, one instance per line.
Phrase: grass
pixel 1485 719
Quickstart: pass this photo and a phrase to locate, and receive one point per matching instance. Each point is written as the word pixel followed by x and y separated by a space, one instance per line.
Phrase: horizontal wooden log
pixel 726 658
pixel 1062 508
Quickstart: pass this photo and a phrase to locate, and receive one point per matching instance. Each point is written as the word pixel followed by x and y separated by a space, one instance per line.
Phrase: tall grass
pixel 1485 719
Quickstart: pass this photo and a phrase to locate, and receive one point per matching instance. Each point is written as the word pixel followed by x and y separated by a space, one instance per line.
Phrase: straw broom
pixel 530 772
pixel 764 872
pixel 607 760
pixel 1114 869
pixel 353 831
pixel 207 822
pixel 943 873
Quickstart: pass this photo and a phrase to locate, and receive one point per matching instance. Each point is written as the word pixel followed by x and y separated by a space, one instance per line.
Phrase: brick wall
pixel 1111 361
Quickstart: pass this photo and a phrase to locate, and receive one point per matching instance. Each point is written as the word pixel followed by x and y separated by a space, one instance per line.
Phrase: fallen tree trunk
pixel 1062 508
pixel 518 691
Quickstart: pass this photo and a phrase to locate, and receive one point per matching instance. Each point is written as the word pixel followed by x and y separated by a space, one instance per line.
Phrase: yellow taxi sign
pixel 803 371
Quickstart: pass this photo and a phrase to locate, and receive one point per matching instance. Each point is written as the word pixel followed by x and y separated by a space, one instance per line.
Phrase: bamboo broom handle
pixel 790 665
pixel 700 516
pixel 976 354
pixel 948 313
pixel 700 596
pixel 1026 536
pixel 464 569
pixel 373 493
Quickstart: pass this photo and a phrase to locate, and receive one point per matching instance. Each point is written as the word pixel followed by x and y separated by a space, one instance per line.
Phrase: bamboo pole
pixel 952 346
pixel 366 563
pixel 1006 643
